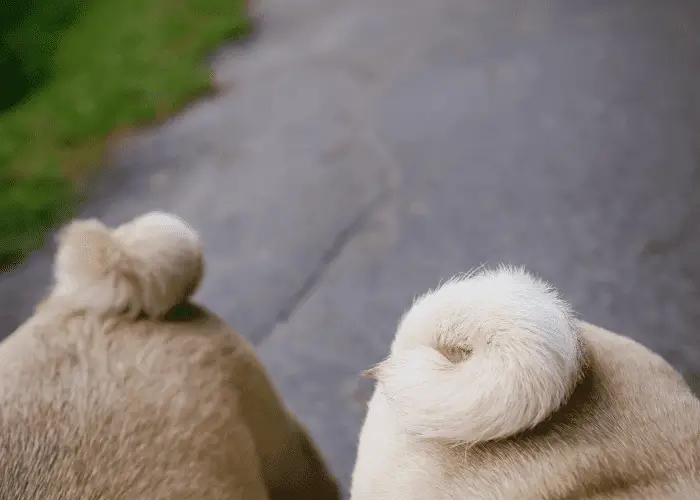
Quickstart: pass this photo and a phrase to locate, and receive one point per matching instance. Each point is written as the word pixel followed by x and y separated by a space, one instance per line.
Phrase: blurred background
pixel 340 157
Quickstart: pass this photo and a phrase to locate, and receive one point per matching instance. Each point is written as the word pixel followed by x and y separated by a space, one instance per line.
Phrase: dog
pixel 493 389
pixel 119 387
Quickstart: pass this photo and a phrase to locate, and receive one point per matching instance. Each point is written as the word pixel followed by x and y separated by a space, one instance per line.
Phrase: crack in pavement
pixel 340 241
pixel 361 131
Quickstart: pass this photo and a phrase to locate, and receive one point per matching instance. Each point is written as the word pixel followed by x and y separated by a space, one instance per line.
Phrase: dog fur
pixel 119 388
pixel 494 390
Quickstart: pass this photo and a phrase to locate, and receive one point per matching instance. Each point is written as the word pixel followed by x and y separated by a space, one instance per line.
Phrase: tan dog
pixel 117 388
pixel 494 391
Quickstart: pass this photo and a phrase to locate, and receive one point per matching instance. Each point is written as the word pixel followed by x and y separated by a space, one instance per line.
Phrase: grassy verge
pixel 117 64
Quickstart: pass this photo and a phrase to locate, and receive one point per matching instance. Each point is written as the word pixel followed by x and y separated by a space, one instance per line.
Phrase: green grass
pixel 117 64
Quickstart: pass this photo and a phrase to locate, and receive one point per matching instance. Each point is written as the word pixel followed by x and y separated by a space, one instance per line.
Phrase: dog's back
pixel 177 408
pixel 124 410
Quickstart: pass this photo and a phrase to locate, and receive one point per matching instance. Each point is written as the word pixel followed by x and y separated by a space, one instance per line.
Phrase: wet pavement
pixel 360 151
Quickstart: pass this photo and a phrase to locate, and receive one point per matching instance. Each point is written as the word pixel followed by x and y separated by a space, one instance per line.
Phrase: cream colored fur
pixel 117 388
pixel 145 266
pixel 493 390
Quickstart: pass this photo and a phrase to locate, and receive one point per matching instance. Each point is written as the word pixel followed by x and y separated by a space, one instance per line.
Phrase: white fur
pixel 518 358
pixel 145 266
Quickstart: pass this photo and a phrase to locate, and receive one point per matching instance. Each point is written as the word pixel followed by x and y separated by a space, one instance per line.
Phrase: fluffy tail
pixel 482 357
pixel 146 266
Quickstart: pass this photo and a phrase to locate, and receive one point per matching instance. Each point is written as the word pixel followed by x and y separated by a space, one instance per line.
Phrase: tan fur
pixel 98 405
pixel 629 430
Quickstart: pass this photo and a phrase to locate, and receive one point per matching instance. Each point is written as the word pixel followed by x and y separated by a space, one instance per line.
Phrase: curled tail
pixel 482 357
pixel 145 266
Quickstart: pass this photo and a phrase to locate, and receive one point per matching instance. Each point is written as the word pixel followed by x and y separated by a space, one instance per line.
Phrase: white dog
pixel 117 388
pixel 493 390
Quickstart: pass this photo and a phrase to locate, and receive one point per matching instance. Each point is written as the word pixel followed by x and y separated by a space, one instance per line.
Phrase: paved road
pixel 363 150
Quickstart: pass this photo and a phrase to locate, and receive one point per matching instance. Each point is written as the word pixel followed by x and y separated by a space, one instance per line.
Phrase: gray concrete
pixel 363 150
